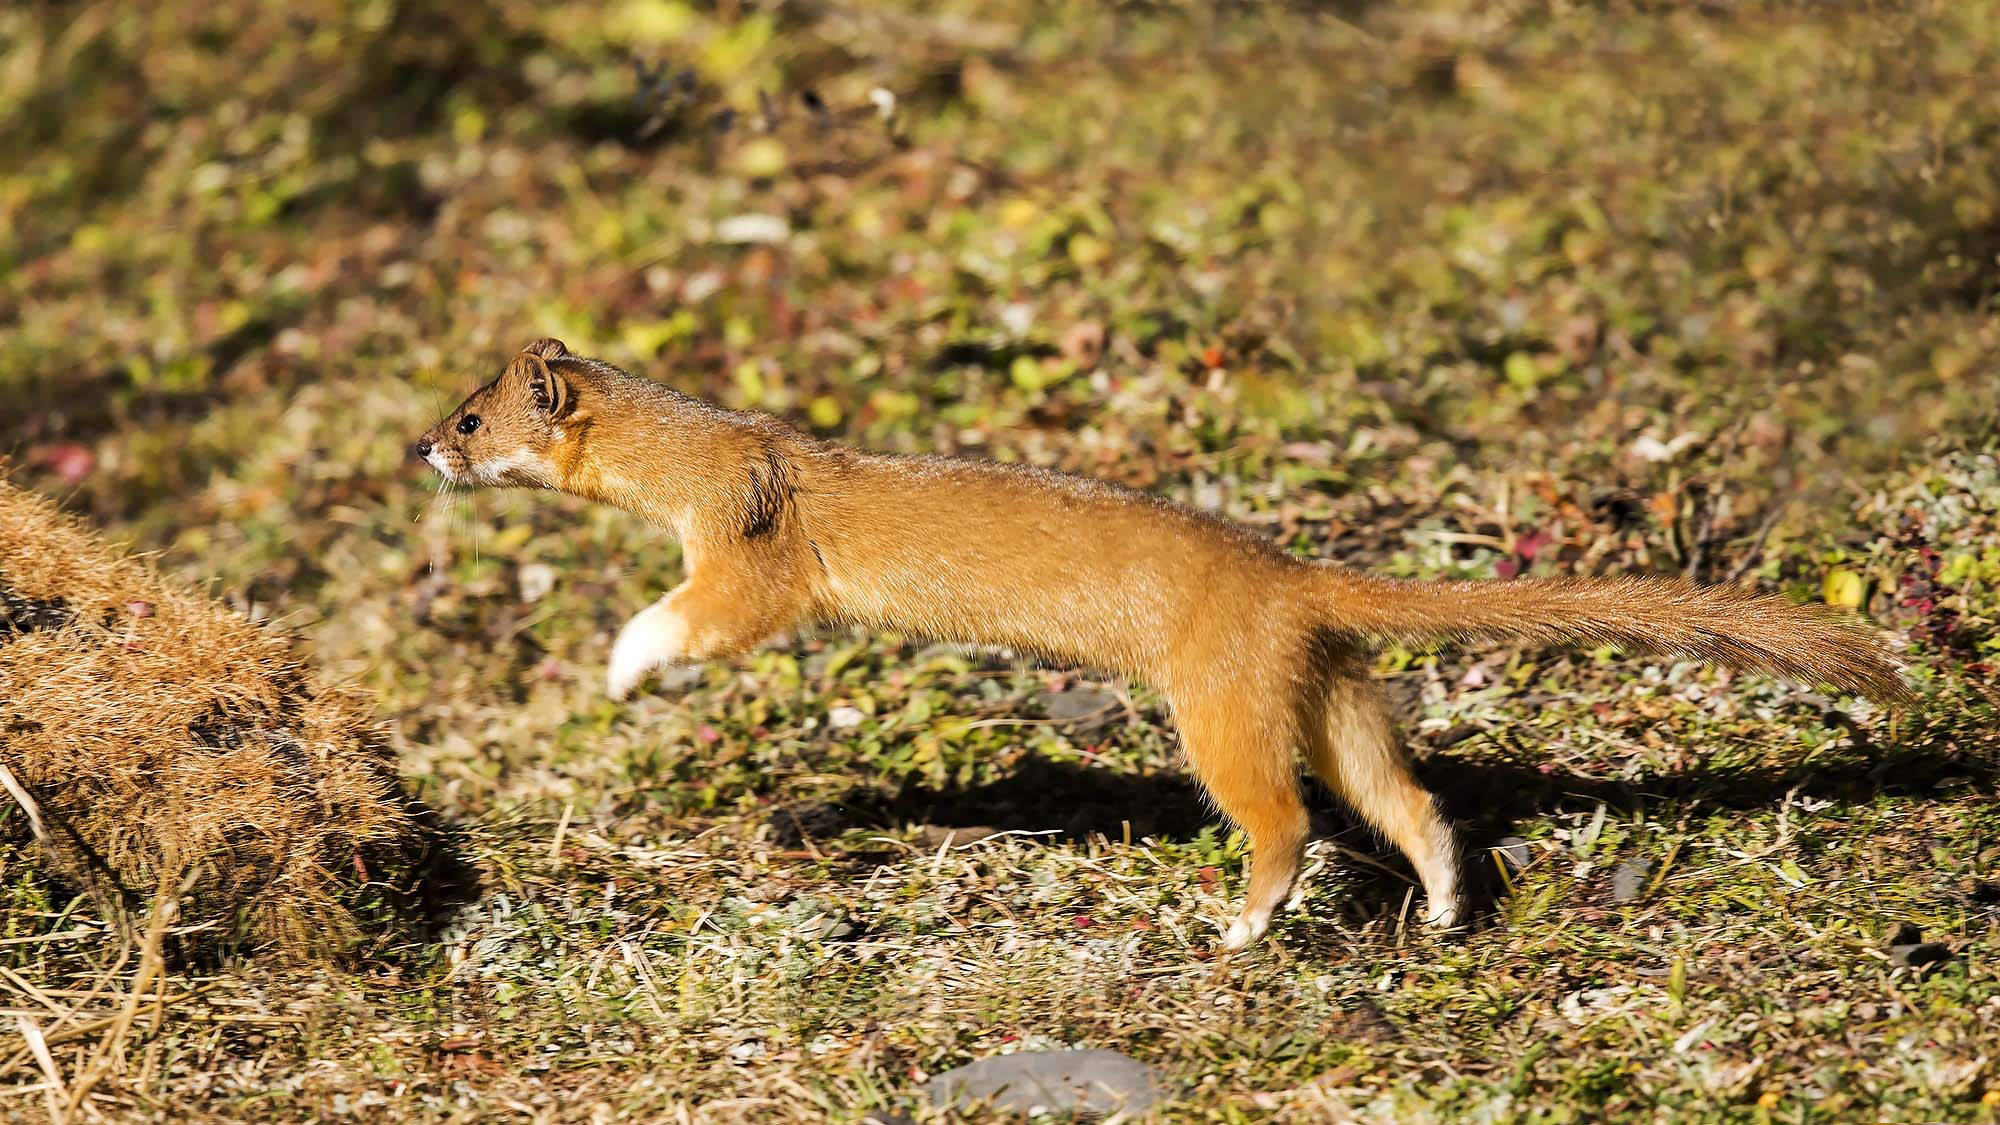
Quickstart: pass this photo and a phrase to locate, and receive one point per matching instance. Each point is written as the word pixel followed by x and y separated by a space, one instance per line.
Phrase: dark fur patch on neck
pixel 770 495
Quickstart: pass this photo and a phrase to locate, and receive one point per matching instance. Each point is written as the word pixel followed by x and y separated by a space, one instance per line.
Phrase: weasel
pixel 1260 655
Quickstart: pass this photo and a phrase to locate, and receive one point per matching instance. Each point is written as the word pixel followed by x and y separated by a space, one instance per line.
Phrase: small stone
pixel 1513 853
pixel 753 228
pixel 1629 881
pixel 1918 955
pixel 935 836
pixel 845 717
pixel 1018 317
pixel 792 825
pixel 680 676
pixel 536 580
pixel 1076 704
pixel 1909 950
pixel 1060 1082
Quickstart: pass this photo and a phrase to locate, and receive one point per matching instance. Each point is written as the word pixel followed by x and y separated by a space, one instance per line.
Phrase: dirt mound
pixel 160 743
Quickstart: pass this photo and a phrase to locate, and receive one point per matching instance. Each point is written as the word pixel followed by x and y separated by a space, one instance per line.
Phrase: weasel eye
pixel 468 423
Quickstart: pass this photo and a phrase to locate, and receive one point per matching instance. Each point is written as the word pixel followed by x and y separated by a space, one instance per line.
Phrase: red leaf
pixel 1529 545
pixel 71 462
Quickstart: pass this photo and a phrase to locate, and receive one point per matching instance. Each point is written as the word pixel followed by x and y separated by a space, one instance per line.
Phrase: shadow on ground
pixel 1489 796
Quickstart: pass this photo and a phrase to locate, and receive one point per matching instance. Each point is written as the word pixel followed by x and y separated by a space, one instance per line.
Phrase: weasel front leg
pixel 721 610
pixel 655 637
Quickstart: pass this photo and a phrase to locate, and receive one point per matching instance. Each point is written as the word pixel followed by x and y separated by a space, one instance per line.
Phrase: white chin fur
pixel 495 472
pixel 655 636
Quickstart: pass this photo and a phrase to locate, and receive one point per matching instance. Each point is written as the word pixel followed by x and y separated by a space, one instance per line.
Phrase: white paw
pixel 1443 914
pixel 655 636
pixel 1245 930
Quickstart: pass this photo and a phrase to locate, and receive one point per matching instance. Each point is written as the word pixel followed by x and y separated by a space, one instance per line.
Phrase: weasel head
pixel 517 430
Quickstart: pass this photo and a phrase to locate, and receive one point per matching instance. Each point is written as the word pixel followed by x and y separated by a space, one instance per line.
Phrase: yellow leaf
pixel 468 125
pixel 867 222
pixel 1027 373
pixel 1016 214
pixel 1522 370
pixel 761 158
pixel 824 412
pixel 510 539
pixel 1844 587
pixel 893 406
pixel 1087 249
pixel 650 21
pixel 750 380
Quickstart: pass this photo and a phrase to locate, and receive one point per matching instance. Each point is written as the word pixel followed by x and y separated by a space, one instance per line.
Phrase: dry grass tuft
pixel 156 739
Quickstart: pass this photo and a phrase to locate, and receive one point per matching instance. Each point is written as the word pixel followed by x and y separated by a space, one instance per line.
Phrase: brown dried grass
pixel 165 741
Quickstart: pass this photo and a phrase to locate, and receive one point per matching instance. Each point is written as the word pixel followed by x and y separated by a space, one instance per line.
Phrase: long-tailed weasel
pixel 1260 655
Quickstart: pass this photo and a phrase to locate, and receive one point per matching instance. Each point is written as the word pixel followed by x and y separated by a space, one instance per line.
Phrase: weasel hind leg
pixel 1245 760
pixel 1353 749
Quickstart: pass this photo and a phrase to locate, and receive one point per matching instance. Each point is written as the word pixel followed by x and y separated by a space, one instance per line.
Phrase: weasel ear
pixel 547 348
pixel 550 391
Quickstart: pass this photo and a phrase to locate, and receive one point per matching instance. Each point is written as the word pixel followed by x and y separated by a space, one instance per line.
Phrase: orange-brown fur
pixel 1262 656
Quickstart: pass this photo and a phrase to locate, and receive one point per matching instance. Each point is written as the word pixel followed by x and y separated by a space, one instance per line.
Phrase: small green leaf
pixel 1522 371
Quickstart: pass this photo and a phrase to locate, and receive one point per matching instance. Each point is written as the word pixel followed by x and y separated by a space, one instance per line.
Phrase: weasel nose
pixel 422 449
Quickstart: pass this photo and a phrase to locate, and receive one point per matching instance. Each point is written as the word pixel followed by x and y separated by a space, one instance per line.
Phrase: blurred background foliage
pixel 1489 232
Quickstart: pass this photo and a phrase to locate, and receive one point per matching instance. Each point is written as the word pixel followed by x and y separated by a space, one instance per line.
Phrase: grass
pixel 1449 290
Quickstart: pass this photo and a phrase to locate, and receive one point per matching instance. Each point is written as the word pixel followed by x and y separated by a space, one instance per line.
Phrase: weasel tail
pixel 1663 616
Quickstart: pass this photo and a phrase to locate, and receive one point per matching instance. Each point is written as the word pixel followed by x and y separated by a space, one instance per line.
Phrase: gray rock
pixel 680 677
pixel 1077 704
pixel 792 825
pixel 1513 853
pixel 1909 950
pixel 935 836
pixel 1629 881
pixel 1091 1081
pixel 1918 955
